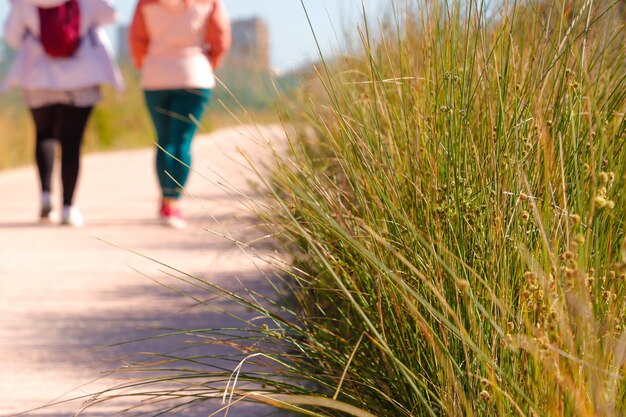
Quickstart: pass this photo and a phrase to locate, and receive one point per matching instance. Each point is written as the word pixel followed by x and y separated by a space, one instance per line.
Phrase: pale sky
pixel 291 37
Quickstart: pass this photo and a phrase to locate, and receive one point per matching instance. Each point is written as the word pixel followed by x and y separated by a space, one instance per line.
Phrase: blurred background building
pixel 251 44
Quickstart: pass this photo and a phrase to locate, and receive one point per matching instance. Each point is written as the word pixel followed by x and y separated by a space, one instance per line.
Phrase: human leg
pixel 46 128
pixel 73 122
pixel 175 114
pixel 188 106
pixel 158 103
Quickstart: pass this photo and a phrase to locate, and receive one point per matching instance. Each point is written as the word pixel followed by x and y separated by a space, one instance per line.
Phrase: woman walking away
pixel 177 44
pixel 62 60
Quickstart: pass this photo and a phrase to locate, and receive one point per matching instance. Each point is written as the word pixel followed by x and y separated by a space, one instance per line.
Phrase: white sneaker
pixel 70 216
pixel 175 222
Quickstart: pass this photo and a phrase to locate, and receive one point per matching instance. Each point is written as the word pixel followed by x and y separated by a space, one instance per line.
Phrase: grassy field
pixel 454 204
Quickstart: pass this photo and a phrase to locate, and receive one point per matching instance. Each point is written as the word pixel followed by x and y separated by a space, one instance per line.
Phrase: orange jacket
pixel 178 43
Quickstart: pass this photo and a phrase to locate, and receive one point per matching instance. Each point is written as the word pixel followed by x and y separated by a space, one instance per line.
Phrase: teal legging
pixel 175 115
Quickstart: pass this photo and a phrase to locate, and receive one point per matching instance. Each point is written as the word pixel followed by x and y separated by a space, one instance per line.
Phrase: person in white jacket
pixel 60 92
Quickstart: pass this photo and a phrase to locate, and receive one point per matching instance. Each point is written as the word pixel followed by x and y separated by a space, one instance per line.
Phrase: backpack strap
pixel 91 34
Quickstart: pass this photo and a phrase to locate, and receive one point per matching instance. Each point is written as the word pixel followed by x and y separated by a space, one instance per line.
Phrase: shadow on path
pixel 65 291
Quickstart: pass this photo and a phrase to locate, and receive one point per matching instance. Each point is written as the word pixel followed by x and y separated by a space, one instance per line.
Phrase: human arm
pixel 14 28
pixel 218 35
pixel 138 36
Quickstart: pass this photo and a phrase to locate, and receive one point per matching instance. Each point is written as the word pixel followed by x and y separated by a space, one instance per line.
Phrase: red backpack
pixel 60 29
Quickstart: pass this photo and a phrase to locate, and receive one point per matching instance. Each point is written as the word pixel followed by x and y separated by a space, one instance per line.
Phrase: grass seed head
pixel 600 202
pixel 603 177
pixel 485 396
pixel 463 285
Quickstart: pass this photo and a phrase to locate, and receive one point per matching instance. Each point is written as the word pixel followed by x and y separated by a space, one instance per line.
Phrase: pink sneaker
pixel 172 216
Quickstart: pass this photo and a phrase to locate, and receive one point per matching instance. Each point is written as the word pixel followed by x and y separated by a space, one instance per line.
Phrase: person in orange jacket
pixel 177 44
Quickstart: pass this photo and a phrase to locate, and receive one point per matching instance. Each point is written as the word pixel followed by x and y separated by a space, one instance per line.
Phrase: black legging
pixel 65 124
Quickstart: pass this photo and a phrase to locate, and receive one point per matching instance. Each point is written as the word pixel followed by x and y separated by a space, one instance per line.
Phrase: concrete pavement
pixel 64 291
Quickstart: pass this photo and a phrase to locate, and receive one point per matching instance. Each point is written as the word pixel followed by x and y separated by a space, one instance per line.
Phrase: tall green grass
pixel 460 212
pixel 454 204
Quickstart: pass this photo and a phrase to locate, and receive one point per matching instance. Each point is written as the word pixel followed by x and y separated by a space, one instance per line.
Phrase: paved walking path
pixel 64 291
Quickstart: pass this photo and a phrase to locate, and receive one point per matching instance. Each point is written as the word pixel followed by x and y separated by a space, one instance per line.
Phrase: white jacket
pixel 33 69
